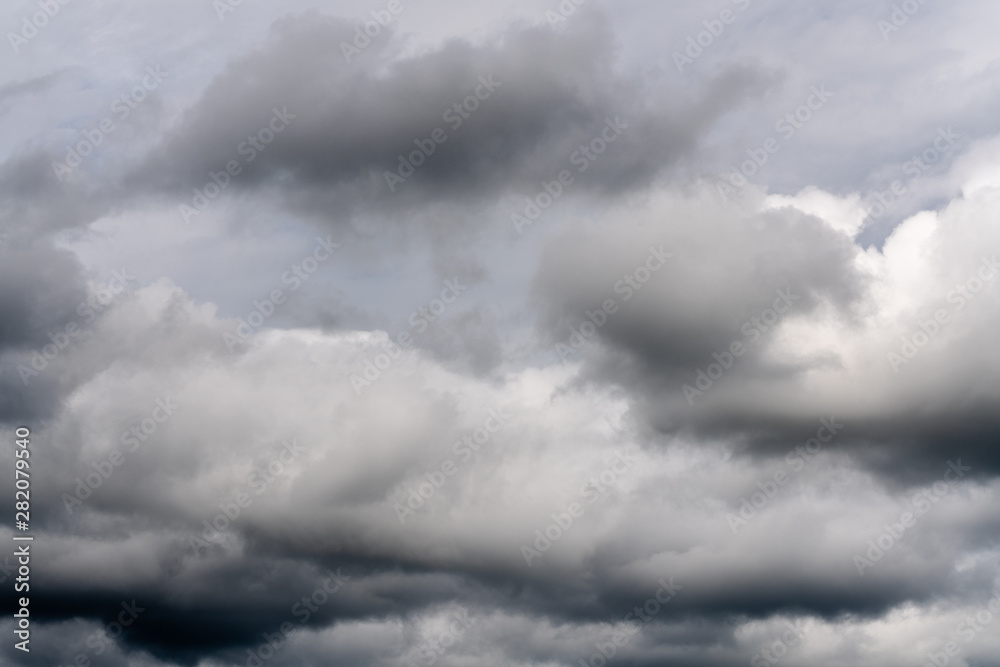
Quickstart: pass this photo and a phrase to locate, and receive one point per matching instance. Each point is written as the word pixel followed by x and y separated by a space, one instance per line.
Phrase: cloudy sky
pixel 409 333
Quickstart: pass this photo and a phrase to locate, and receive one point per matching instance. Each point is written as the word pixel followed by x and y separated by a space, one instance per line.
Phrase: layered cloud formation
pixel 494 339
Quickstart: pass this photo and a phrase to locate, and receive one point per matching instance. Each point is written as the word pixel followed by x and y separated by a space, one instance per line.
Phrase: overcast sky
pixel 471 334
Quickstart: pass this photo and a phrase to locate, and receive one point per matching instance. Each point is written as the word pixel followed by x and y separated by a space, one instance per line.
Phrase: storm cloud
pixel 539 334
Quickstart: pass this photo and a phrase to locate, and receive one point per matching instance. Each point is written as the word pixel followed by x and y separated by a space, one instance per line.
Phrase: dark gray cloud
pixel 542 96
pixel 723 269
pixel 41 290
pixel 755 281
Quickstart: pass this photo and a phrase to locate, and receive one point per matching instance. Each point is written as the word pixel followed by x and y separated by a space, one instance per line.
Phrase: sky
pixel 464 334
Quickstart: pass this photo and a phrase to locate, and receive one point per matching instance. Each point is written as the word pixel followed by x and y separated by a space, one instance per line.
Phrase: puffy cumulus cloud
pixel 676 304
pixel 893 342
pixel 535 506
pixel 225 492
